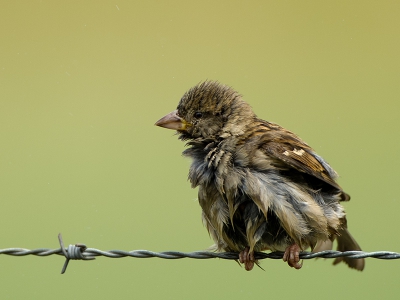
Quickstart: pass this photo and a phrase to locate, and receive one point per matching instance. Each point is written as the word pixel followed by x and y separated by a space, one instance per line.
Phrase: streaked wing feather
pixel 301 159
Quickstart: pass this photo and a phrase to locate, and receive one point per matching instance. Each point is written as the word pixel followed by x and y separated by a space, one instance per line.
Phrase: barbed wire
pixel 81 252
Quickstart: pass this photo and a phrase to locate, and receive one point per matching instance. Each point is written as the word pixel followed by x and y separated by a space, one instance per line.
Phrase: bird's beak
pixel 173 121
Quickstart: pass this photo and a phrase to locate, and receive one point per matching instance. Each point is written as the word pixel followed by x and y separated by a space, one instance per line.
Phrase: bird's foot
pixel 292 256
pixel 247 258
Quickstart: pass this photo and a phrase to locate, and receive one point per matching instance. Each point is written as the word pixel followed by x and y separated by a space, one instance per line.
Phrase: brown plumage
pixel 260 186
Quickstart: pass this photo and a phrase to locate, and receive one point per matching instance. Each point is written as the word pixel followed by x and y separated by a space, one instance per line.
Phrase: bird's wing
pixel 289 149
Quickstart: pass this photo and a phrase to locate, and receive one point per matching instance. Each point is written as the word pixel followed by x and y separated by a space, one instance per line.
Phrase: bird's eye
pixel 198 115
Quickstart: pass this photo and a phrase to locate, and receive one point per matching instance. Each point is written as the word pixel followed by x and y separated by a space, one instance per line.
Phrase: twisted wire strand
pixel 81 252
pixel 91 253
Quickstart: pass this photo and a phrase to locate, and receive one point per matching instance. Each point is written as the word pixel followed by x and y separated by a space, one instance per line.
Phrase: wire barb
pixel 73 252
pixel 80 251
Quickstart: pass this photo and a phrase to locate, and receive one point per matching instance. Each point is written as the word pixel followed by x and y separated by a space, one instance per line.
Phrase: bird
pixel 260 186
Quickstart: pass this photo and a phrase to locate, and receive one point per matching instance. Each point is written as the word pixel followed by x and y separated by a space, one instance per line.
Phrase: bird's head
pixel 209 110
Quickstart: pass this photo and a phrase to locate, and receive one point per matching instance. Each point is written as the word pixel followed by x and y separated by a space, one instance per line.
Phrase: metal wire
pixel 80 251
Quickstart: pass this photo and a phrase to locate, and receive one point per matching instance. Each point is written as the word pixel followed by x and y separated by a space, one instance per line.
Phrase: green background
pixel 83 82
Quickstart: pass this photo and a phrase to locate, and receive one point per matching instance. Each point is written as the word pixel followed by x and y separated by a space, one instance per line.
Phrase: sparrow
pixel 260 186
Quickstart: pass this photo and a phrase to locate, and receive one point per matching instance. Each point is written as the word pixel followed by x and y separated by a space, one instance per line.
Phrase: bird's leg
pixel 247 258
pixel 292 256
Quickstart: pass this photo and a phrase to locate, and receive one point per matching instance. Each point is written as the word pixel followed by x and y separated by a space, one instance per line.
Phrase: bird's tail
pixel 347 243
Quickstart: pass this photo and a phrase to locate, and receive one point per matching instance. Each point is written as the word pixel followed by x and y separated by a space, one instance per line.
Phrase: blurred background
pixel 82 84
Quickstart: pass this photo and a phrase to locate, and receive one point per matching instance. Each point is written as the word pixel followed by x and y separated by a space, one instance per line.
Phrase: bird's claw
pixel 247 258
pixel 292 256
